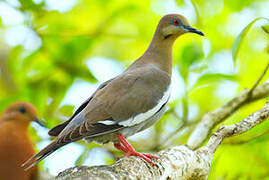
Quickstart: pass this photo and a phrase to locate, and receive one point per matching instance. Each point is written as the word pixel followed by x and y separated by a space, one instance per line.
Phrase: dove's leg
pixel 124 146
pixel 120 147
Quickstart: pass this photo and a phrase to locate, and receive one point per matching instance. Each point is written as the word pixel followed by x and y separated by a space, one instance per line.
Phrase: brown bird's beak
pixel 193 30
pixel 38 121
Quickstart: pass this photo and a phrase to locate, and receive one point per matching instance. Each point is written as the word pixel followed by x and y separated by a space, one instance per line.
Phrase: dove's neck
pixel 159 52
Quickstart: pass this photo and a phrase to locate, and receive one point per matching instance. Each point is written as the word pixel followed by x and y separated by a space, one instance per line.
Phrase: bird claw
pixel 151 156
pixel 146 157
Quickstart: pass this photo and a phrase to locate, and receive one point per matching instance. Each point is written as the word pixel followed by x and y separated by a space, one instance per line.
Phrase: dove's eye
pixel 22 109
pixel 176 22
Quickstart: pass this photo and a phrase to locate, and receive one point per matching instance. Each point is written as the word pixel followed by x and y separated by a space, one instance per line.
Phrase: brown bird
pixel 128 103
pixel 15 143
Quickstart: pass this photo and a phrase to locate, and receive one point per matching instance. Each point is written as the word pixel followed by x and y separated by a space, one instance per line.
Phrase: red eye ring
pixel 176 22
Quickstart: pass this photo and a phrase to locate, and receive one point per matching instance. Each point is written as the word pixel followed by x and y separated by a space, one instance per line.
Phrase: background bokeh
pixel 55 53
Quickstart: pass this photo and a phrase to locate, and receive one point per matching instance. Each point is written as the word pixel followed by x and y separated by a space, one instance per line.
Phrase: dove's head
pixel 174 25
pixel 21 112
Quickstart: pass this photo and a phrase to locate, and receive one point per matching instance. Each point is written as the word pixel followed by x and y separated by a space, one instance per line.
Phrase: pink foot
pixel 151 156
pixel 130 151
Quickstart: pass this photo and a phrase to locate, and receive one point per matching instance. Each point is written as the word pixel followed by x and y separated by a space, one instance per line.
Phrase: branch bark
pixel 175 163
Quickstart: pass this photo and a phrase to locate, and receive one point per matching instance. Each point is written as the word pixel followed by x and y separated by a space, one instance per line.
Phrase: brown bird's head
pixel 23 112
pixel 174 25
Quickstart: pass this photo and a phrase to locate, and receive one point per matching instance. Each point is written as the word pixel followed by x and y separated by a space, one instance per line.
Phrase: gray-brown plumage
pixel 128 103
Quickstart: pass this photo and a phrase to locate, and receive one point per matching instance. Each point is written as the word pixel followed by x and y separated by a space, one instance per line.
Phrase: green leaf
pixel 191 54
pixel 213 78
pixel 240 38
pixel 199 68
pixel 66 110
pixel 266 29
pixel 237 5
pixel 83 156
pixel 179 2
pixel 77 70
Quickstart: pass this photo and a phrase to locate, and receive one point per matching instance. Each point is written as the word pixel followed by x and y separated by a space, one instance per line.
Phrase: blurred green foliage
pixel 121 30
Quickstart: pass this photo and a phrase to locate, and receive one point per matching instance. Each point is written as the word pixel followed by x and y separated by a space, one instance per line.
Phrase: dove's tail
pixel 53 146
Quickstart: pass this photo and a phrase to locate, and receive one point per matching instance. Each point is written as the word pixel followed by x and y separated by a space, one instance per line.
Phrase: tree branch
pixel 211 119
pixel 238 128
pixel 255 137
pixel 176 163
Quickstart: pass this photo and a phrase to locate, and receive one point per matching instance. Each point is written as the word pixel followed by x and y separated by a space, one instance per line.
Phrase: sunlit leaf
pixel 240 38
pixel 27 5
pixel 190 55
pixel 180 2
pixel 199 68
pixel 238 5
pixel 77 70
pixel 109 160
pixel 82 157
pixel 213 78
pixel 67 110
pixel 266 28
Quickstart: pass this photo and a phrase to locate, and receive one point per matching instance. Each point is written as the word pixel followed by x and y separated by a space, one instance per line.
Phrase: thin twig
pixel 259 79
pixel 159 144
pixel 185 108
pixel 171 135
pixel 167 141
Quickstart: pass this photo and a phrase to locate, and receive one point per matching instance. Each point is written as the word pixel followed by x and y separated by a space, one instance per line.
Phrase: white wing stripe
pixel 107 122
pixel 144 116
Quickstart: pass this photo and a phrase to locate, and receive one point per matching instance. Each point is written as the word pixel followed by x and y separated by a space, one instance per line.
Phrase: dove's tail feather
pixel 53 146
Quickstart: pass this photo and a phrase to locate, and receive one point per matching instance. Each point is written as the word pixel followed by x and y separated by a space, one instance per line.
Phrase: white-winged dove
pixel 128 103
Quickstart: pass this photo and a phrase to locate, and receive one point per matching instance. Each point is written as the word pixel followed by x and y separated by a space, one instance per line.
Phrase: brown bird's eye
pixel 22 110
pixel 176 22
